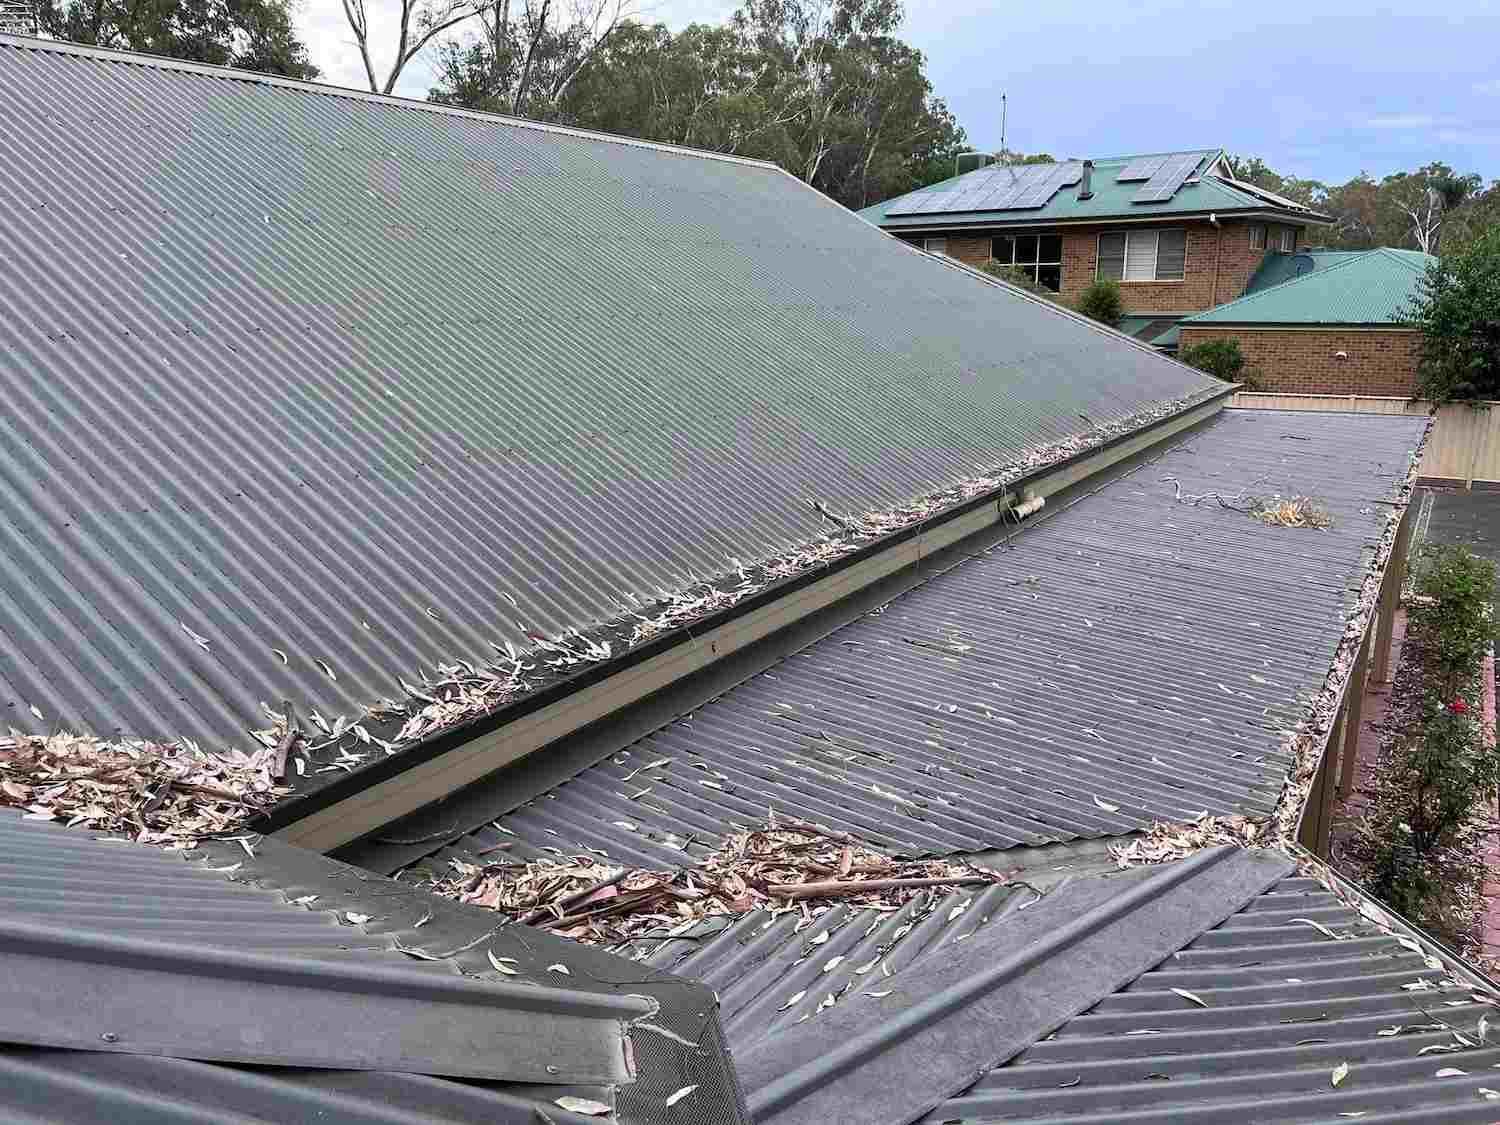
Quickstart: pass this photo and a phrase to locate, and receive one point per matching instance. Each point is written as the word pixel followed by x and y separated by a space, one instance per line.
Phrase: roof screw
pixel 110 1037
pixel 554 1069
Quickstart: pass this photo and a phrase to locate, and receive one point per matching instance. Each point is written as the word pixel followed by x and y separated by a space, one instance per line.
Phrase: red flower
pixel 1459 707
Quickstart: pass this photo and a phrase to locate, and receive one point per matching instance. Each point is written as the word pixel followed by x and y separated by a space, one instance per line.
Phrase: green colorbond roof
pixel 1370 287
pixel 1110 200
pixel 1278 267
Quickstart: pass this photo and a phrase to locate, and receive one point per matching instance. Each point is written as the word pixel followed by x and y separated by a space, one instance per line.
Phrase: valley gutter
pixel 370 798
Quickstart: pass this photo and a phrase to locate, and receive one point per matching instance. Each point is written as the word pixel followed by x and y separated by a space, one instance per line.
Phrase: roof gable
pixel 1371 288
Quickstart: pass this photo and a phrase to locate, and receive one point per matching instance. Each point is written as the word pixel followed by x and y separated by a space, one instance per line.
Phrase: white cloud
pixel 1400 121
pixel 323 28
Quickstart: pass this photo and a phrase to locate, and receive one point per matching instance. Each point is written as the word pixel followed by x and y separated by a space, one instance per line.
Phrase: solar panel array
pixel 997 188
pixel 1168 178
pixel 1141 168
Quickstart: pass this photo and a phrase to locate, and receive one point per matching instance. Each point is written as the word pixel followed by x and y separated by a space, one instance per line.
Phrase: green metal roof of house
pixel 1210 188
pixel 1278 267
pixel 1370 287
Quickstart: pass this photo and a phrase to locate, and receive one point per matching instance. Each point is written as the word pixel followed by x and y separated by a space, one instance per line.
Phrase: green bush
pixel 1458 313
pixel 1451 616
pixel 1017 277
pixel 1101 301
pixel 1220 358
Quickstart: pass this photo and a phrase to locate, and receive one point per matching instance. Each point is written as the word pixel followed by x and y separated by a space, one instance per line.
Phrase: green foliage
pixel 826 90
pixel 1220 358
pixel 1458 313
pixel 1418 210
pixel 1017 277
pixel 250 34
pixel 1414 842
pixel 1451 615
pixel 1101 301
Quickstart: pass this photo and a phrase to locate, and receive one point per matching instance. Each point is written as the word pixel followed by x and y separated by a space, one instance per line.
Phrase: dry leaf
pixel 792 1000
pixel 500 966
pixel 357 919
pixel 1449 1072
pixel 1106 806
pixel 559 968
pixel 586 1106
pixel 673 1099
pixel 1194 997
pixel 1340 1073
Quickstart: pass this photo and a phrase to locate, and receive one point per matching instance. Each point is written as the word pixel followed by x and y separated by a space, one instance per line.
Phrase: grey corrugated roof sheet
pixel 1284 1004
pixel 1121 659
pixel 142 985
pixel 377 383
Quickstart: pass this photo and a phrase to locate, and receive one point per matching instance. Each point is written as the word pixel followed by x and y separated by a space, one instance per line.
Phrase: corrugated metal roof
pixel 375 383
pixel 155 967
pixel 1122 658
pixel 1277 267
pixel 1111 199
pixel 930 992
pixel 1284 1004
pixel 1375 287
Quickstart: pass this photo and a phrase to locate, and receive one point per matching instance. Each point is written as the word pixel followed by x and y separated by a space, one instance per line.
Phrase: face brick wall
pixel 1224 250
pixel 1293 361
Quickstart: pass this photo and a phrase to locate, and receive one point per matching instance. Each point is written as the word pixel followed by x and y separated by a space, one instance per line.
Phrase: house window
pixel 935 245
pixel 1257 236
pixel 1288 239
pixel 1038 255
pixel 1143 255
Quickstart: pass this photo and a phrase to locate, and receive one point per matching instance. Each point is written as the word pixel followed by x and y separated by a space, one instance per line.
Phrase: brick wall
pixel 1219 263
pixel 1294 361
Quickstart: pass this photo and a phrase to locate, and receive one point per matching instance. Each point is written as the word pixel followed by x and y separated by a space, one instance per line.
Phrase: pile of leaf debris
pixel 1165 842
pixel 786 866
pixel 1294 511
pixel 154 793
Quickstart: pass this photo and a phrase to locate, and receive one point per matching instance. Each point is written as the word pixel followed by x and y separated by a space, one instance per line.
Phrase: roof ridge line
pixel 235 74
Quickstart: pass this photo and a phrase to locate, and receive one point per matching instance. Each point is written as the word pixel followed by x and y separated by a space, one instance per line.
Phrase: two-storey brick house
pixel 1177 230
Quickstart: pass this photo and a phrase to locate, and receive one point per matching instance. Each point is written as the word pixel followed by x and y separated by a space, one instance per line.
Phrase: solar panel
pixel 1043 187
pixel 1141 168
pixel 1171 176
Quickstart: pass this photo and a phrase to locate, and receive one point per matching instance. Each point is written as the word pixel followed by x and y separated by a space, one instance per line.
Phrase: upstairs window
pixel 1143 255
pixel 1037 255
pixel 935 245
pixel 1257 236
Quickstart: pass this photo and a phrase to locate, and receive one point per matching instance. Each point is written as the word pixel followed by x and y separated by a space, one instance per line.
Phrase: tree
pixel 418 23
pixel 1017 277
pixel 1458 313
pixel 822 87
pixel 1254 170
pixel 249 34
pixel 1425 198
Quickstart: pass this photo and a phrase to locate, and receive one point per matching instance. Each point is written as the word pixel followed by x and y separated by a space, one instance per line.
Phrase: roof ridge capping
pixel 230 73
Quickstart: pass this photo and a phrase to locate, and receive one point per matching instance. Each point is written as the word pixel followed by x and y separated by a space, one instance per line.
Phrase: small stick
pixel 288 740
pixel 560 906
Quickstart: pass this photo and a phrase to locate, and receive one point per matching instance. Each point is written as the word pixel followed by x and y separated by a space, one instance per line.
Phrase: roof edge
pixel 229 73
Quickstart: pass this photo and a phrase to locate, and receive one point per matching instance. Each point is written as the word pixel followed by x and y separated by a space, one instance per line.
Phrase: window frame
pixel 1037 264
pixel 1288 240
pixel 1124 257
pixel 927 244
pixel 1259 236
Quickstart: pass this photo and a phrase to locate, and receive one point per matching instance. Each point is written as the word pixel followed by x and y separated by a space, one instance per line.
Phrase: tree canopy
pixel 1458 312
pixel 826 89
pixel 249 34
pixel 1425 209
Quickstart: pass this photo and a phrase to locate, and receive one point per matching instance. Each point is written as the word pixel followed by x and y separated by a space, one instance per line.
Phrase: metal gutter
pixel 891 224
pixel 373 797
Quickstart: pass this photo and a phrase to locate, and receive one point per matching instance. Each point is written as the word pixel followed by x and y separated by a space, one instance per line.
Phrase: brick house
pixel 1177 230
pixel 1324 323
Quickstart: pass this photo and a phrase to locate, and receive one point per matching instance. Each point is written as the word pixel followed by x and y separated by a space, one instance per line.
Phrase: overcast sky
pixel 1322 90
